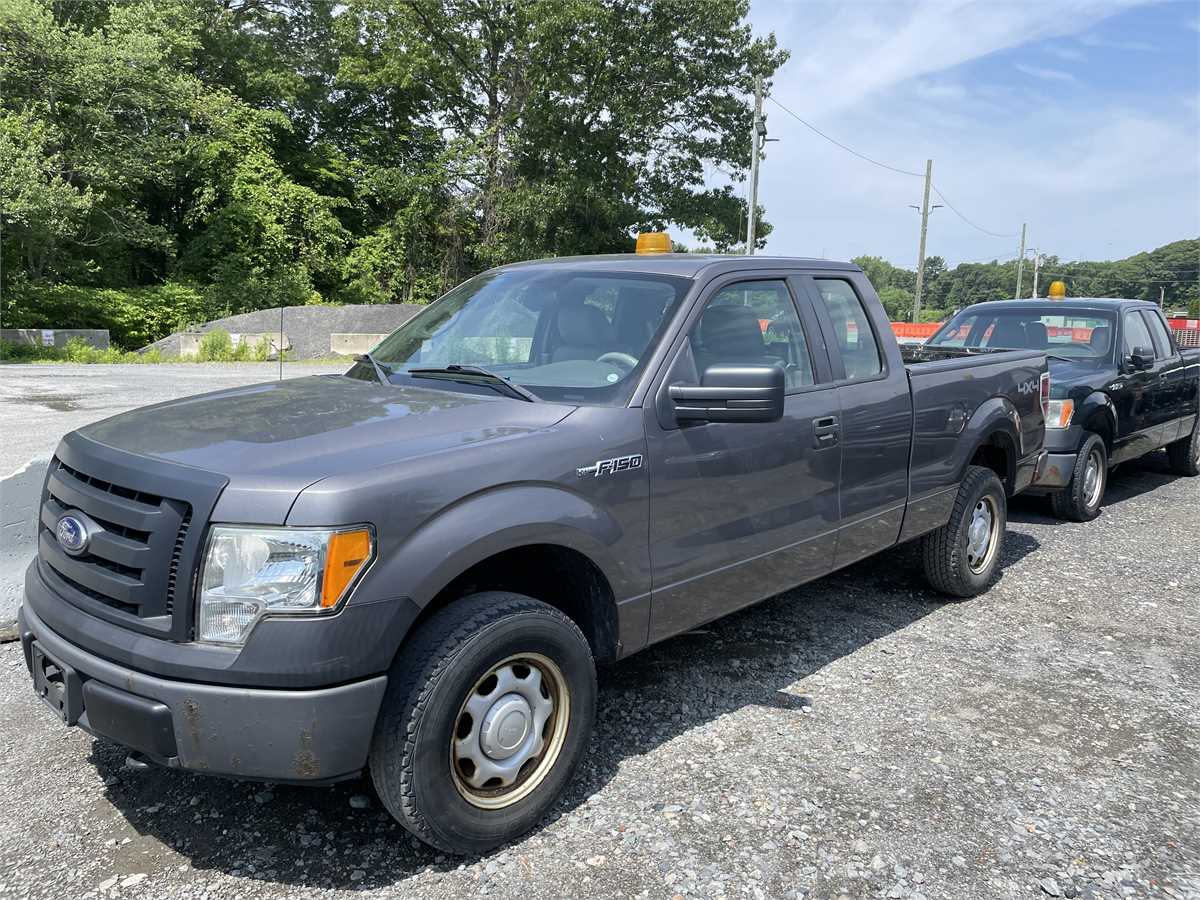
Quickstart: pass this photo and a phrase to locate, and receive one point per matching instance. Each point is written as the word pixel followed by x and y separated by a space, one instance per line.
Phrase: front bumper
pixel 310 736
pixel 1056 472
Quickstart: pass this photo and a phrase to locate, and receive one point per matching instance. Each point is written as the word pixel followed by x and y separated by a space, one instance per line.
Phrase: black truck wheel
pixel 1184 454
pixel 1080 500
pixel 961 557
pixel 487 711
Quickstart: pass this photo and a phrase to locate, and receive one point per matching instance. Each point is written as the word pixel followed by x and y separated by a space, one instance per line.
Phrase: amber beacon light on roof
pixel 654 242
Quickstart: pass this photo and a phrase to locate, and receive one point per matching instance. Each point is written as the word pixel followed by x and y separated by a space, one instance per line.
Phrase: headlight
pixel 1059 412
pixel 250 573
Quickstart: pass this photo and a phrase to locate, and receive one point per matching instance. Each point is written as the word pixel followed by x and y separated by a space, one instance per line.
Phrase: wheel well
pixel 562 577
pixel 998 454
pixel 1099 422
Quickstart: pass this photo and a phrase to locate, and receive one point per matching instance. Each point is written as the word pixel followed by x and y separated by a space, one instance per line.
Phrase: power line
pixel 813 128
pixel 954 209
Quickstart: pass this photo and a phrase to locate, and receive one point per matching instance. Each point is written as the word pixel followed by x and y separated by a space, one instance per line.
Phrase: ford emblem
pixel 72 534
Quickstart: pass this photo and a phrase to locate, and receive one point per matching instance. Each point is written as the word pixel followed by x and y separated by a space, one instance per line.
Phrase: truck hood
pixel 1068 378
pixel 272 440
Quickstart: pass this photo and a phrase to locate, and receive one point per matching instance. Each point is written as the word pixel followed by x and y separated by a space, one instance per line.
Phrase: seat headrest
pixel 1098 340
pixel 731 331
pixel 1009 332
pixel 1036 337
pixel 582 325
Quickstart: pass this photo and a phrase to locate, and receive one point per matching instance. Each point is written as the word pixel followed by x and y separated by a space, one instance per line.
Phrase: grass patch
pixel 215 346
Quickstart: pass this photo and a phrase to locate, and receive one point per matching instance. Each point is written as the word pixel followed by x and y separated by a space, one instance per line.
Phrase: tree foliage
pixel 1171 272
pixel 285 151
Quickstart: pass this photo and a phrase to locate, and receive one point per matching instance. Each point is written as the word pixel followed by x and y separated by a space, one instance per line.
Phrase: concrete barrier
pixel 55 337
pixel 189 341
pixel 352 344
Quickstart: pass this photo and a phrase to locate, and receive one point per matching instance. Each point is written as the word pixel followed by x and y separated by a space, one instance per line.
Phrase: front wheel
pixel 488 709
pixel 1080 500
pixel 962 556
pixel 1184 454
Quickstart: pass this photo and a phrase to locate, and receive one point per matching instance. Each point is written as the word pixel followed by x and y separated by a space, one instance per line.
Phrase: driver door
pixel 742 510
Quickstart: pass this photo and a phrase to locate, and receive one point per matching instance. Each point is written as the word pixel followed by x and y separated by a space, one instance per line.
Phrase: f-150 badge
pixel 609 466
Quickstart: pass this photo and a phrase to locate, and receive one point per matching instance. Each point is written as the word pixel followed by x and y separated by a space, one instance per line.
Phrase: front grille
pixel 146 517
pixel 131 565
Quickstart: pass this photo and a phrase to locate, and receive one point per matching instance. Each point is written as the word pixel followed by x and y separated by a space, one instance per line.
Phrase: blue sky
pixel 1080 117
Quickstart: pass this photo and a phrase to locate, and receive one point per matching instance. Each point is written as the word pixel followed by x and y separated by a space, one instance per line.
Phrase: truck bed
pixel 951 388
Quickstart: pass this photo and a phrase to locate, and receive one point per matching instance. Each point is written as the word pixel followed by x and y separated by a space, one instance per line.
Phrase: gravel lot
pixel 858 737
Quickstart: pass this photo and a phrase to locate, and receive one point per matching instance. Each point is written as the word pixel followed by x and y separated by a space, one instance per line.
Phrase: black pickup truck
pixel 1120 387
pixel 413 568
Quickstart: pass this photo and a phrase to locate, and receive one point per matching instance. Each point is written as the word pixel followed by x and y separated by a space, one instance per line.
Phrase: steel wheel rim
pixel 509 731
pixel 981 535
pixel 1093 479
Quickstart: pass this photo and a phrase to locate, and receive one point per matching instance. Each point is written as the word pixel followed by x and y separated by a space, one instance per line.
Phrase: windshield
pixel 567 334
pixel 1083 334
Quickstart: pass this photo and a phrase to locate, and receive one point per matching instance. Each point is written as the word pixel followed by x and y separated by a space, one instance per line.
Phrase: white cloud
pixel 1070 54
pixel 1095 40
pixel 845 53
pixel 1044 73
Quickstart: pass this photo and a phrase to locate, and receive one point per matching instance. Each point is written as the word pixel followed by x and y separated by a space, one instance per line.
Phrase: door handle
pixel 825 432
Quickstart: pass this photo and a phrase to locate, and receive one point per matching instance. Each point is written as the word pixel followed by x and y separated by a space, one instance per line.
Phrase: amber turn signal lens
pixel 349 552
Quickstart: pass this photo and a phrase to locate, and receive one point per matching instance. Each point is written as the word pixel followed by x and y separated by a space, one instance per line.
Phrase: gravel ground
pixel 859 737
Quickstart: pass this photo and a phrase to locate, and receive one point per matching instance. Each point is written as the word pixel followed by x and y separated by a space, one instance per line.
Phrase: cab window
pixel 1136 333
pixel 1158 333
pixel 851 328
pixel 753 323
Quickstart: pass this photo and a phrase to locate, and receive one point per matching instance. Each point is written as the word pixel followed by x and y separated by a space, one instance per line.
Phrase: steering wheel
pixel 619 359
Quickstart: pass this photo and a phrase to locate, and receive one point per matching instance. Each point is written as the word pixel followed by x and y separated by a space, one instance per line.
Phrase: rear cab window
pixel 852 330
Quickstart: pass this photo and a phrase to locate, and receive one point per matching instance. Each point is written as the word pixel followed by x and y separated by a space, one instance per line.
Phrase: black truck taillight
pixel 1045 392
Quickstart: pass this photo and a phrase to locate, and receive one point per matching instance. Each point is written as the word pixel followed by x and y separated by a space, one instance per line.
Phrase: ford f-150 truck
pixel 1120 386
pixel 413 568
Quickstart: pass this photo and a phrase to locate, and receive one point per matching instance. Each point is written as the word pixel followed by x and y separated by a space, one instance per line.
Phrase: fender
pixel 994 421
pixel 1097 401
pixel 503 518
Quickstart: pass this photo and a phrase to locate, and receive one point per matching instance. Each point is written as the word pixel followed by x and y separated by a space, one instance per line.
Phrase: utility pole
pixel 1020 264
pixel 1037 264
pixel 756 132
pixel 921 253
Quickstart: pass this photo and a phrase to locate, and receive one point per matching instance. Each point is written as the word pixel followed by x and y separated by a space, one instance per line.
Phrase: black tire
pixel 1184 454
pixel 1076 502
pixel 435 673
pixel 949 564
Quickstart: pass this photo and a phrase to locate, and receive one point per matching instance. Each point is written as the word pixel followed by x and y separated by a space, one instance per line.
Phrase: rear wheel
pixel 1184 454
pixel 1080 500
pixel 487 712
pixel 962 556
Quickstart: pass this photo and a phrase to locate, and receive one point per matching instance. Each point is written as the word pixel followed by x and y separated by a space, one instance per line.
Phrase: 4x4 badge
pixel 609 466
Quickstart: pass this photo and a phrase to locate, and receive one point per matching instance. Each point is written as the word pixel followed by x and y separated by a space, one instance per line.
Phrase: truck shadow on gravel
pixel 316 838
pixel 1126 482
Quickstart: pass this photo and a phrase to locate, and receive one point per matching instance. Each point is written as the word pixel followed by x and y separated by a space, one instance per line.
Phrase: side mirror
pixel 1141 358
pixel 731 394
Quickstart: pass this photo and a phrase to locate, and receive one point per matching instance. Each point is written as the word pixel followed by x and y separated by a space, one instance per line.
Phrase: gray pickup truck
pixel 413 568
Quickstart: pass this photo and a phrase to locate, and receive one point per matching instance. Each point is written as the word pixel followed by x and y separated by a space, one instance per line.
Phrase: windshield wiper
pixel 382 372
pixel 491 379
